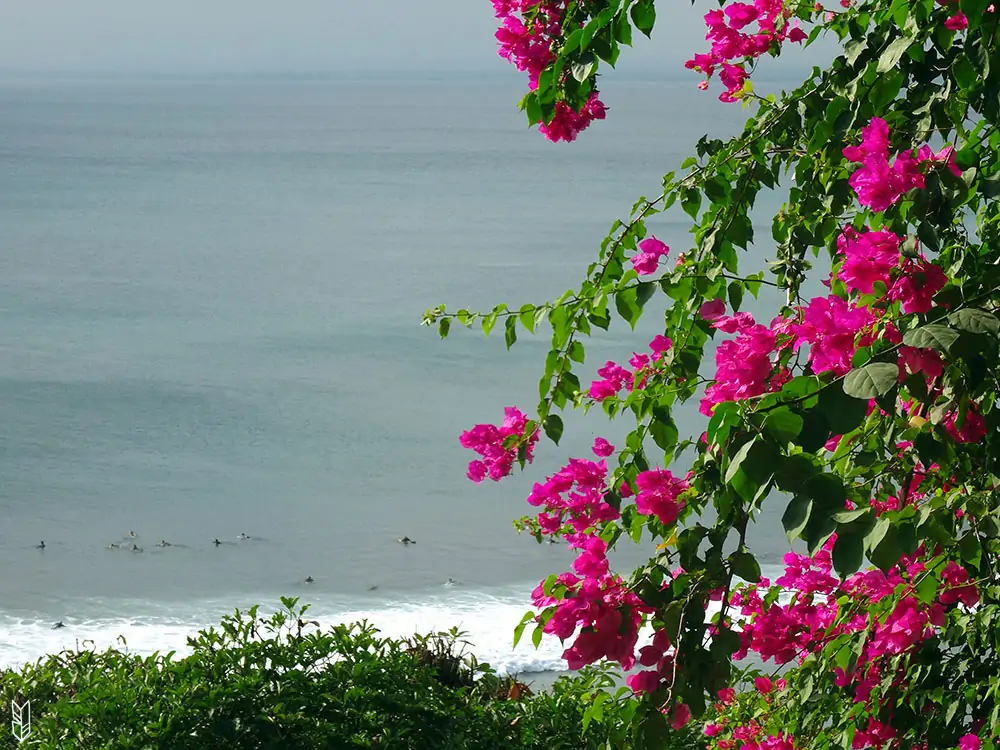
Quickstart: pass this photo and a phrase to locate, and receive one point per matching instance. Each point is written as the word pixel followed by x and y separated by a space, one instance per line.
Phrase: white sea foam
pixel 488 619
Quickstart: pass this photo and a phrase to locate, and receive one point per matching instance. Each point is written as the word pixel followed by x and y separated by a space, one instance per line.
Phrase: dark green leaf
pixel 745 565
pixel 510 331
pixel 784 424
pixel 644 16
pixel 893 53
pixel 848 553
pixel 664 434
pixel 736 461
pixel 841 412
pixel 933 336
pixel 975 320
pixel 553 427
pixel 796 516
pixel 872 380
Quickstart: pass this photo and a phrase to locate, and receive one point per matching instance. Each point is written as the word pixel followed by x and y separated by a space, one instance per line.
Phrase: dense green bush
pixel 283 682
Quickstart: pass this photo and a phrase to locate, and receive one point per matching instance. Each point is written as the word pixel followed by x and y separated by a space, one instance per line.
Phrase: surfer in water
pixel 136 548
pixel 133 535
pixel 40 545
pixel 114 545
pixel 216 541
pixel 164 543
pixel 309 579
pixel 243 537
pixel 406 540
pixel 58 625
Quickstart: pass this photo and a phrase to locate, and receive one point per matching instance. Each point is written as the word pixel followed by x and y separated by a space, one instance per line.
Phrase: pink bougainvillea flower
pixel 945 155
pixel 916 288
pixel 713 310
pixel 832 327
pixel 603 448
pixel 647 260
pixel 869 258
pixel 926 361
pixel 658 494
pixel 879 183
pixel 490 442
pixel 567 124
pixel 969 742
pixel 680 716
pixel 957 22
pixel 646 681
pixel 957 586
pixel 874 142
pixel 659 345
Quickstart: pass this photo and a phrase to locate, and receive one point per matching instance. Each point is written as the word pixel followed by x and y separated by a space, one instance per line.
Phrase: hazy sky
pixel 246 36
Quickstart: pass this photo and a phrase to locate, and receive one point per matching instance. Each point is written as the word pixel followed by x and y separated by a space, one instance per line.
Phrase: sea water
pixel 210 304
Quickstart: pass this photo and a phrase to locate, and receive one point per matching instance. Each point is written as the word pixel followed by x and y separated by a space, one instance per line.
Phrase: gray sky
pixel 250 36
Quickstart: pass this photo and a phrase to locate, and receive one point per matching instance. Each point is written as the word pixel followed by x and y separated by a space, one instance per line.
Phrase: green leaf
pixel 796 516
pixel 893 54
pixel 519 630
pixel 974 10
pixel 745 565
pixel 576 352
pixel 629 306
pixel 644 16
pixel 871 381
pixel 725 416
pixel 848 553
pixel 966 158
pixel 691 202
pixel 927 589
pixel 975 320
pixel 510 331
pixel 927 234
pixel 990 187
pixel 966 74
pixel 841 412
pixel 584 67
pixel 736 461
pixel 527 317
pixel 933 336
pixel 553 427
pixel 536 636
pixel 664 434
pixel 850 516
pixel 444 326
pixel 784 424
pixel 877 534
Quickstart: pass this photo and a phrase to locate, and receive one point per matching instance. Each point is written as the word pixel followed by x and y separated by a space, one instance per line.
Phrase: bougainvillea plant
pixel 869 412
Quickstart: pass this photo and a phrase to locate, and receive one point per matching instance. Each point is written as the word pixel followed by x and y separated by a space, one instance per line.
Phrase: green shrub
pixel 283 682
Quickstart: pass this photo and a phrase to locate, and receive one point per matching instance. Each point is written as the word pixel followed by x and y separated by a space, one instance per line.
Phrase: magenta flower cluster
pixel 812 618
pixel 831 327
pixel 733 43
pixel 528 29
pixel 498 445
pixel 613 378
pixel 879 183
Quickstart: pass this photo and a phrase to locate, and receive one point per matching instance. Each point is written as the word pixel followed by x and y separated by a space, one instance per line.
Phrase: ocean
pixel 210 303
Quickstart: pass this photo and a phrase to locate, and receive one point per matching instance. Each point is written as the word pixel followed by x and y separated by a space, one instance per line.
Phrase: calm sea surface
pixel 210 297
